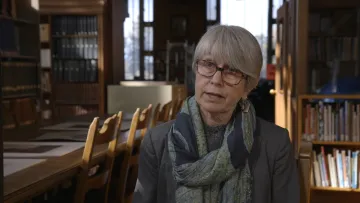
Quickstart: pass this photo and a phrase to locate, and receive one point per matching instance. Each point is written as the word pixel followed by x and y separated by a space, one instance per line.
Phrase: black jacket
pixel 275 172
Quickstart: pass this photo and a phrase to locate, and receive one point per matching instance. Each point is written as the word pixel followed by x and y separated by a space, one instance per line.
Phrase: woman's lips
pixel 213 95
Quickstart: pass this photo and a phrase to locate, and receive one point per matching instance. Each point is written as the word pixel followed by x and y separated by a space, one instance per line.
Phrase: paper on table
pixel 75 126
pixel 31 149
pixel 77 136
pixel 14 165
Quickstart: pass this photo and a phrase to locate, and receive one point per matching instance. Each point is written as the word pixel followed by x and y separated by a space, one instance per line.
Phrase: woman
pixel 216 150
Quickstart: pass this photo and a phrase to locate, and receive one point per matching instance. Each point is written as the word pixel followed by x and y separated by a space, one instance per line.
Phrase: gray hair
pixel 234 46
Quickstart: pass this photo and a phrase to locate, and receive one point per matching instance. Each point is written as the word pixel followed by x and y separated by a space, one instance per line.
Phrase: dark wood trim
pixel 270 47
pixel 1 140
pixel 64 7
pixel 141 41
pixel 118 15
pixel 218 11
pixel 80 7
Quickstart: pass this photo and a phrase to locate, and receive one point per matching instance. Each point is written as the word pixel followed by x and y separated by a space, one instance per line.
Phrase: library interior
pixel 124 67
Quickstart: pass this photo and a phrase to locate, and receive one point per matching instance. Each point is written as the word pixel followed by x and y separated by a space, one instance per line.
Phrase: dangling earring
pixel 244 104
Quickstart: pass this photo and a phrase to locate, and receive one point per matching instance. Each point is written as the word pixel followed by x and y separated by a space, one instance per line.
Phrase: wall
pixel 164 10
pixel 128 98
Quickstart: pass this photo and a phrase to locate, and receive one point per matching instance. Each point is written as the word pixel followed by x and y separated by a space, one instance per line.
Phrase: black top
pixel 275 172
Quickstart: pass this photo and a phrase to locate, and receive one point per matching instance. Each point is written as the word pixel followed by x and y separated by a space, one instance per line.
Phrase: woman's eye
pixel 209 64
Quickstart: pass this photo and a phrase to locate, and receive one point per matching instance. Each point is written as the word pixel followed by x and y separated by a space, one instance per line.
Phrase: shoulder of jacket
pixel 158 134
pixel 269 130
pixel 273 136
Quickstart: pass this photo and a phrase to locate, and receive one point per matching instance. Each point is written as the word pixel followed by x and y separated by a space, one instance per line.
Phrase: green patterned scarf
pixel 222 175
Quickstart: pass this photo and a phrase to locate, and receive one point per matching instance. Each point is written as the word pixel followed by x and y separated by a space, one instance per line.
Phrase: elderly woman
pixel 216 150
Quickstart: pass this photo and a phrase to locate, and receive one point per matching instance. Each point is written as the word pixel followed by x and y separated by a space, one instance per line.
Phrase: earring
pixel 244 104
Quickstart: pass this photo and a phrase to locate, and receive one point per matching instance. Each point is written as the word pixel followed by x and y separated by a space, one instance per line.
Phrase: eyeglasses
pixel 229 76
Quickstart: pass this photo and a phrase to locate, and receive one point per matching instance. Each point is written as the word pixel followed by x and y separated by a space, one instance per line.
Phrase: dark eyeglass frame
pixel 217 68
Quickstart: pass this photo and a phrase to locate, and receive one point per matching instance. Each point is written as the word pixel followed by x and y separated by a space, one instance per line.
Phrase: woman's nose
pixel 217 78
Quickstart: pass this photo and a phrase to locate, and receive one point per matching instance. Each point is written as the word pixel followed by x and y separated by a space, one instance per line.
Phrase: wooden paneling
pixel 94 8
pixel 118 13
pixel 71 6
pixel 164 10
pixel 334 4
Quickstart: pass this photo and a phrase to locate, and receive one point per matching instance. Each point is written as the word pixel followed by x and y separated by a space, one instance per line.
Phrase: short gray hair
pixel 236 47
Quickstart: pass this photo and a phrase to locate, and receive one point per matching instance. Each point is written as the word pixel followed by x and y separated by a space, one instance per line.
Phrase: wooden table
pixel 40 149
pixel 36 179
pixel 81 125
pixel 13 165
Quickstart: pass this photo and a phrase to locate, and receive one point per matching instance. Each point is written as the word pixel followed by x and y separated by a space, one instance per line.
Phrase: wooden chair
pixel 87 180
pixel 128 171
pixel 176 108
pixel 163 115
pixel 143 121
pixel 155 115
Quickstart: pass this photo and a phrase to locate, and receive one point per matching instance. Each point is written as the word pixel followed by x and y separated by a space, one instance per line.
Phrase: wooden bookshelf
pixel 307 60
pixel 76 72
pixel 19 66
pixel 336 143
pixel 334 189
pixel 319 122
pixel 334 168
pixel 305 115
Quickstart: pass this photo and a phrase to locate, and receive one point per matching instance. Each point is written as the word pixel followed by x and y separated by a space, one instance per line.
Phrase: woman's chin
pixel 213 108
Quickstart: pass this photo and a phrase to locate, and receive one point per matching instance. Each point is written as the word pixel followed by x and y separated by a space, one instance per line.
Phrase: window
pixel 212 13
pixel 139 40
pixel 251 15
pixel 149 67
pixel 132 41
pixel 276 5
pixel 148 38
pixel 211 10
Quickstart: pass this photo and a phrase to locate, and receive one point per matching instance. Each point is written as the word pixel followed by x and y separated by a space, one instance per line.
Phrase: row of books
pixel 19 78
pixel 18 112
pixel 8 39
pixel 338 169
pixel 75 48
pixel 74 25
pixel 19 73
pixel 332 121
pixel 20 91
pixel 328 22
pixel 6 8
pixel 326 49
pixel 80 94
pixel 75 71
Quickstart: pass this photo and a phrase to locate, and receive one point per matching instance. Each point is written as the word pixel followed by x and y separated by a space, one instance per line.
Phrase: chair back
pixel 128 171
pixel 96 176
pixel 164 115
pixel 155 115
pixel 176 108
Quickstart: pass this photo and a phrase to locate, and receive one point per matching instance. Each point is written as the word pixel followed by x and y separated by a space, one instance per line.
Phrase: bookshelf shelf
pixel 332 189
pixel 17 21
pixel 16 55
pixel 75 64
pixel 333 162
pixel 311 112
pixel 19 64
pixel 336 143
pixel 322 39
pixel 330 96
pixel 20 96
pixel 75 36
